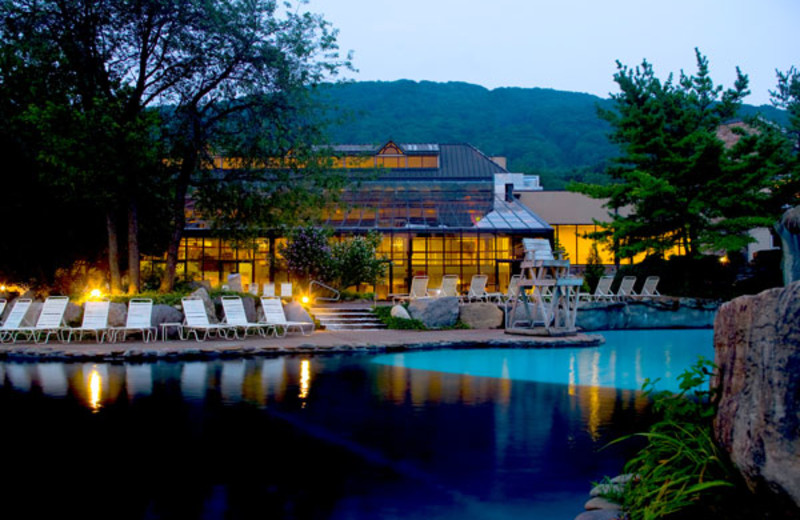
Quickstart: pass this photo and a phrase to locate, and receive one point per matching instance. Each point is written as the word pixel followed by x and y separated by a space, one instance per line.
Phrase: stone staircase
pixel 346 316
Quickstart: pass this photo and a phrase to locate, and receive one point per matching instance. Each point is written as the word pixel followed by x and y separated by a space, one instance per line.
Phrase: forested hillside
pixel 555 134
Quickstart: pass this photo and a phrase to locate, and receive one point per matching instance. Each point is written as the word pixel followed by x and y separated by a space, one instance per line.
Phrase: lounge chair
pixel 625 290
pixel 13 322
pixel 95 321
pixel 274 316
pixel 419 289
pixel 139 319
pixel 512 292
pixel 195 321
pixel 602 292
pixel 286 290
pixel 50 321
pixel 477 289
pixel 449 287
pixel 649 289
pixel 235 316
pixel 269 290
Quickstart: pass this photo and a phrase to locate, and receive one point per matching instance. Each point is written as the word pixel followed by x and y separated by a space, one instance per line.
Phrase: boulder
pixel 117 314
pixel 398 311
pixel 32 315
pixel 435 313
pixel 235 282
pixel 249 305
pixel 481 315
pixel 296 312
pixel 166 314
pixel 73 314
pixel 662 313
pixel 789 230
pixel 757 349
pixel 207 302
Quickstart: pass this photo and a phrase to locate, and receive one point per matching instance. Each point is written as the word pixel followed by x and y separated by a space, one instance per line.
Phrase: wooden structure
pixel 548 296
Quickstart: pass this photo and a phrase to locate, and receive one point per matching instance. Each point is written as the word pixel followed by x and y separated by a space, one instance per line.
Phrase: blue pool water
pixel 449 434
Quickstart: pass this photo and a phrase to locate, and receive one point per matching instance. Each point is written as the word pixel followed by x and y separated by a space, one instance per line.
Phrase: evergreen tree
pixel 676 183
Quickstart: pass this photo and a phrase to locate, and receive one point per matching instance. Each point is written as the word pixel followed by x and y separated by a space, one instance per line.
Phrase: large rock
pixel 207 303
pixel 296 312
pixel 73 314
pixel 117 314
pixel 663 313
pixel 789 230
pixel 165 314
pixel 481 315
pixel 757 345
pixel 249 305
pixel 398 311
pixel 435 313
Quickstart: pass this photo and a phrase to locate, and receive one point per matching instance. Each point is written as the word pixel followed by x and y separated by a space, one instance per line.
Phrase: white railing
pixel 334 298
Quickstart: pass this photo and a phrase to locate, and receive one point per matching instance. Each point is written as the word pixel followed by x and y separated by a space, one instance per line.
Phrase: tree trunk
pixel 178 222
pixel 113 254
pixel 134 271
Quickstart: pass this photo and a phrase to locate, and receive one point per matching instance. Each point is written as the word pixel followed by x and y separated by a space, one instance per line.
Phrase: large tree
pixel 152 90
pixel 676 183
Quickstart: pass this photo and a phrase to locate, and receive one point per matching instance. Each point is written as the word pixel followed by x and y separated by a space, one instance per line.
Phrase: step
pixel 355 326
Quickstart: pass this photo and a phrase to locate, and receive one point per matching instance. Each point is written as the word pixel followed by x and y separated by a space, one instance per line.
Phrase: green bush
pixel 384 313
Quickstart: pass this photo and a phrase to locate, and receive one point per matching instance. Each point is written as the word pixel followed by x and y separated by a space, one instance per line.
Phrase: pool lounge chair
pixel 477 289
pixel 13 322
pixel 602 292
pixel 139 319
pixel 286 291
pixel 235 316
pixel 275 317
pixel 625 290
pixel 449 287
pixel 419 289
pixel 195 321
pixel 513 289
pixel 50 321
pixel 95 321
pixel 649 289
pixel 268 291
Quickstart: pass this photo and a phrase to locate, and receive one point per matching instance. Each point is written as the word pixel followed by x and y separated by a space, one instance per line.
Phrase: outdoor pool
pixel 446 434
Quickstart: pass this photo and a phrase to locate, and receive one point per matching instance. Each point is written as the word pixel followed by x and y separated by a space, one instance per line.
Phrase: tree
pixel 787 97
pixel 150 91
pixel 678 182
pixel 308 254
pixel 355 260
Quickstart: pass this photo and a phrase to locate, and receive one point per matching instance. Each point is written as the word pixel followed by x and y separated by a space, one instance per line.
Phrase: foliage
pixel 680 467
pixel 307 253
pixel 554 134
pixel 594 268
pixel 384 314
pixel 355 260
pixel 682 184
pixel 787 96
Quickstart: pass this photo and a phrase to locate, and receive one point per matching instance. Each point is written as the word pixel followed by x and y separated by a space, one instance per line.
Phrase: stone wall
pixel 757 347
pixel 665 312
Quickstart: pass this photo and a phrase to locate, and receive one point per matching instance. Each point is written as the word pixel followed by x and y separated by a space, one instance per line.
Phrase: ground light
pixel 95 293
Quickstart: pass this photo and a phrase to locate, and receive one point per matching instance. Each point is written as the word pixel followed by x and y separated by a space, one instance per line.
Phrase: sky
pixel 568 45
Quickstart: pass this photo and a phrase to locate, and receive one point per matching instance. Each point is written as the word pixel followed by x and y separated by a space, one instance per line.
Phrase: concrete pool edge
pixel 320 342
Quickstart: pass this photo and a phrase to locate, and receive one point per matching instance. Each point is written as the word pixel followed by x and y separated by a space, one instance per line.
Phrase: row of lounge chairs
pixel 449 287
pixel 625 291
pixel 50 322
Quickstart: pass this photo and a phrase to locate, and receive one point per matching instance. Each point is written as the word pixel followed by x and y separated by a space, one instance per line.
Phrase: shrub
pixel 308 254
pixel 384 313
pixel 355 260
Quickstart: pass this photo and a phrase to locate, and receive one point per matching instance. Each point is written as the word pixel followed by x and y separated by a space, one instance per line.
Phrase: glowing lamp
pixel 723 260
pixel 3 288
pixel 305 300
pixel 95 293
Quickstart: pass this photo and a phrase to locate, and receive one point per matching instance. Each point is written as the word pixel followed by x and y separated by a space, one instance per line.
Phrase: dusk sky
pixel 565 44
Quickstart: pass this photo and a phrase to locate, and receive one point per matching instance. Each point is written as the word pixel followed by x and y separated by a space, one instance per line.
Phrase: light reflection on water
pixel 391 441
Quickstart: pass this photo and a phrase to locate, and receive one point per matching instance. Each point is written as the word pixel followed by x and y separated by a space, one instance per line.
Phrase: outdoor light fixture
pixel 95 293
pixel 305 300
pixel 724 260
pixel 3 288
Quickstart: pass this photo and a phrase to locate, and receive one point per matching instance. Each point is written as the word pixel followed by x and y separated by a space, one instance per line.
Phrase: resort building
pixel 440 209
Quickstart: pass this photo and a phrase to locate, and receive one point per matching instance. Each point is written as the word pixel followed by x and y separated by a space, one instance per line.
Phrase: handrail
pixel 328 287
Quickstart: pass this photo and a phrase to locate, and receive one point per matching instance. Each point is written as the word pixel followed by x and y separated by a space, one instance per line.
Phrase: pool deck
pixel 320 342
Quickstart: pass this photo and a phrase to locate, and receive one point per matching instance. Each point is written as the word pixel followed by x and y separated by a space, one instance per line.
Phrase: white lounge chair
pixel 233 307
pixel 419 289
pixel 139 319
pixel 13 322
pixel 269 290
pixel 511 292
pixel 50 321
pixel 195 321
pixel 286 290
pixel 274 315
pixel 95 321
pixel 649 289
pixel 477 289
pixel 625 289
pixel 449 287
pixel 602 292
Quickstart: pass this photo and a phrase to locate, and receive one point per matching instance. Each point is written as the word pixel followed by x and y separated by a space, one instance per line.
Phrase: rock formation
pixel 435 313
pixel 481 315
pixel 757 344
pixel 789 230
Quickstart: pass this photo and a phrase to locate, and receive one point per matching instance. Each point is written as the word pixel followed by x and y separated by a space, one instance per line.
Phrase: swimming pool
pixel 440 434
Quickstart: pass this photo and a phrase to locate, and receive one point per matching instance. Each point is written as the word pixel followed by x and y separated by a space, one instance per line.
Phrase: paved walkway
pixel 320 342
